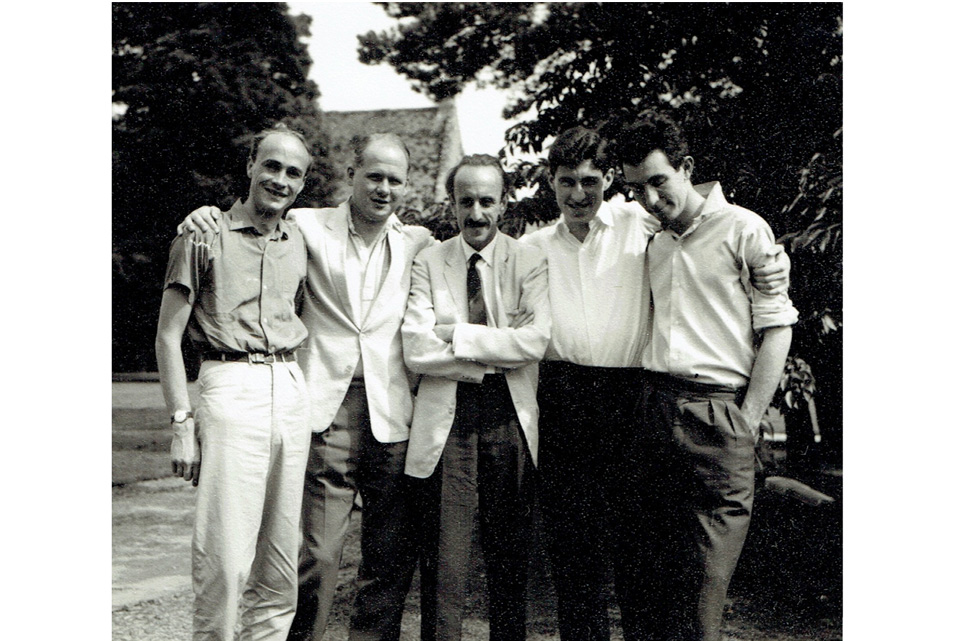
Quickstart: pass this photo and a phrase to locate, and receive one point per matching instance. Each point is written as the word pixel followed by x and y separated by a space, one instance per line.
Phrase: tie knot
pixel 472 261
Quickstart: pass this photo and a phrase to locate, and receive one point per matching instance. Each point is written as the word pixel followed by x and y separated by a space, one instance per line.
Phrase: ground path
pixel 153 517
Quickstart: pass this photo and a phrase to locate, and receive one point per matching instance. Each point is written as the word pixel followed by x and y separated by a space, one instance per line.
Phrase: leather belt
pixel 252 358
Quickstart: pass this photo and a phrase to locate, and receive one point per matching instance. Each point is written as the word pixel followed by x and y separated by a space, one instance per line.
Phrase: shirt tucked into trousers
pixel 252 423
pixel 692 474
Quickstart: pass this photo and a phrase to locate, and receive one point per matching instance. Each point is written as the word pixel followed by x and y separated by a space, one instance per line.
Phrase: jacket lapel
pixel 455 273
pixel 503 283
pixel 336 256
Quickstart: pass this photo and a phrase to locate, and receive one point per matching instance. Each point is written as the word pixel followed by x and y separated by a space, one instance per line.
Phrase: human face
pixel 580 191
pixel 478 203
pixel 277 174
pixel 664 190
pixel 379 184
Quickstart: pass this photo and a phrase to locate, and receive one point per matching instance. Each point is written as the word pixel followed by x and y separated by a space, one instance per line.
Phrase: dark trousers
pixel 688 474
pixel 344 460
pixel 583 412
pixel 484 469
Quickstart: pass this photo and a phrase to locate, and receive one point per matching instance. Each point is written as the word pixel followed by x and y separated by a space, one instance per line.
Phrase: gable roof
pixel 432 135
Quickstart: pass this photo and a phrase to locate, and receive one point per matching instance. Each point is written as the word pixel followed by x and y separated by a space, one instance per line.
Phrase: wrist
pixel 181 416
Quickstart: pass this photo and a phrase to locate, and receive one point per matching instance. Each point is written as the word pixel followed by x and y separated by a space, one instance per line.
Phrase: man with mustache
pixel 477 323
pixel 715 357
pixel 590 377
pixel 237 296
pixel 358 279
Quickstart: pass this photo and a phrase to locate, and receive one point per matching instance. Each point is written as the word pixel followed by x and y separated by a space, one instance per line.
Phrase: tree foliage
pixel 757 87
pixel 191 82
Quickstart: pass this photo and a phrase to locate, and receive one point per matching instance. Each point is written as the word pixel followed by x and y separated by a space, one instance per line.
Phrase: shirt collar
pixel 487 253
pixel 714 201
pixel 238 219
pixel 602 217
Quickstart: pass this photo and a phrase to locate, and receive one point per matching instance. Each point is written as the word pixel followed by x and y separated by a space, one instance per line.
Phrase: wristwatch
pixel 181 415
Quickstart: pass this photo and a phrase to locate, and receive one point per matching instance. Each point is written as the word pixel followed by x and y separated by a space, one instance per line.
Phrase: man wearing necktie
pixel 477 323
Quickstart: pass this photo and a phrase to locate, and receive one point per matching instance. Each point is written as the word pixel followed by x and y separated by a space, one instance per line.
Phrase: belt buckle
pixel 256 357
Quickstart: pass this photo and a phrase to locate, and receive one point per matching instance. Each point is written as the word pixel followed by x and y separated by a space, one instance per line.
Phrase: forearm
pixel 173 375
pixel 174 314
pixel 766 373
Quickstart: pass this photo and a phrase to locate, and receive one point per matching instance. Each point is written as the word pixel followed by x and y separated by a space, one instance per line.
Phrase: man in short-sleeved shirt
pixel 247 448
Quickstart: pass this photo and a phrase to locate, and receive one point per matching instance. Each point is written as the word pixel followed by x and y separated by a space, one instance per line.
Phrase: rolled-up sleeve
pixel 758 249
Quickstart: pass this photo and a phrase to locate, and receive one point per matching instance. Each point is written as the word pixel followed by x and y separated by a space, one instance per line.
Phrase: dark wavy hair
pixel 577 144
pixel 648 132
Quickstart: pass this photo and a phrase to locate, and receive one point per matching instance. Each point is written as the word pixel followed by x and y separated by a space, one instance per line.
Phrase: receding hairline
pixel 361 143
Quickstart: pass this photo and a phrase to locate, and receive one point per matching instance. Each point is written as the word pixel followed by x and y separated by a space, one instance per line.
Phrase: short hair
pixel 577 144
pixel 360 142
pixel 477 160
pixel 278 128
pixel 649 132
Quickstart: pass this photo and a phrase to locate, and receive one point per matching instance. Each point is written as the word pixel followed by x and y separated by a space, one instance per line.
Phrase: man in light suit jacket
pixel 477 323
pixel 358 278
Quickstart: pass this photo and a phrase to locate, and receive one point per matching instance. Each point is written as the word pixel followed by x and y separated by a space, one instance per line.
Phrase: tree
pixel 191 82
pixel 757 88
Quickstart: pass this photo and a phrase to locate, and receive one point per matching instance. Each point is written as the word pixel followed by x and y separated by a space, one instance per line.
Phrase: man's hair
pixel 648 132
pixel 278 128
pixel 360 142
pixel 577 144
pixel 477 160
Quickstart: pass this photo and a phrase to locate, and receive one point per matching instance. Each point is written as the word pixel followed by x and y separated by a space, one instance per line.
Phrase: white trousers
pixel 253 424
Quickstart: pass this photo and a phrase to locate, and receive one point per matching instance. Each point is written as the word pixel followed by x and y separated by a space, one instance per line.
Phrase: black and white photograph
pixel 457 321
pixel 467 321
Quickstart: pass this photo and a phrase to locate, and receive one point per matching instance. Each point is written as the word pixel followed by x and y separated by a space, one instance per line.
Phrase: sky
pixel 346 84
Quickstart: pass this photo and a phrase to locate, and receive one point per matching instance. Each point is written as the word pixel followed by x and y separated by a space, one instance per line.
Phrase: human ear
pixel 608 179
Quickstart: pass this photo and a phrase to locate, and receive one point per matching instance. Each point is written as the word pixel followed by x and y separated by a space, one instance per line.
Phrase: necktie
pixel 476 312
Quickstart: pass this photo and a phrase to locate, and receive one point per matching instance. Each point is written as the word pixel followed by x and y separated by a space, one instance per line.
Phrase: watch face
pixel 180 416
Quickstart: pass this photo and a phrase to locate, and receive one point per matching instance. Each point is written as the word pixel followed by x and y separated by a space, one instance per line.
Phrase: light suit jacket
pixel 438 296
pixel 336 342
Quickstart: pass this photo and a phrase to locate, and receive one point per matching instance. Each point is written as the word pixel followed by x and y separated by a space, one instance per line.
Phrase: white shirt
pixel 600 297
pixel 706 311
pixel 365 270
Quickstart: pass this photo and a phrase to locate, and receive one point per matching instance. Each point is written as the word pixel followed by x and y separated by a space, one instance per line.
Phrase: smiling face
pixel 478 203
pixel 580 191
pixel 379 183
pixel 664 190
pixel 277 174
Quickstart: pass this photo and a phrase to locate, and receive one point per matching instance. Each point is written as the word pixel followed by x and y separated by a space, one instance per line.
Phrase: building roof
pixel 432 135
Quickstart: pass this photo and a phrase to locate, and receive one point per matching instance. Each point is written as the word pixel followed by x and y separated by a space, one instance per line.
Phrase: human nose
pixel 476 212
pixel 650 197
pixel 382 186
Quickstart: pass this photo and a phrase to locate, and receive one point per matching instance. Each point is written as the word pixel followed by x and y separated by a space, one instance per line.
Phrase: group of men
pixel 617 362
